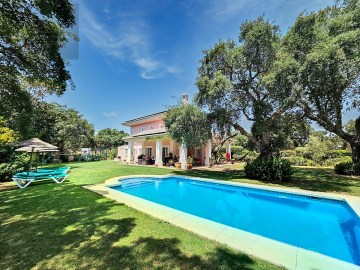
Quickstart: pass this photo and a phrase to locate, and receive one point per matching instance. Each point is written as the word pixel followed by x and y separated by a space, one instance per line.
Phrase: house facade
pixel 148 137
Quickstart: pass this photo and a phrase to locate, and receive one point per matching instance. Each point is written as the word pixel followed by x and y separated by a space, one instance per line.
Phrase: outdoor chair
pixel 57 170
pixel 24 179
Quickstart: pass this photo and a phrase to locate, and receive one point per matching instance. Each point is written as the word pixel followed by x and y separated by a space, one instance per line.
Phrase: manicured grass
pixel 51 226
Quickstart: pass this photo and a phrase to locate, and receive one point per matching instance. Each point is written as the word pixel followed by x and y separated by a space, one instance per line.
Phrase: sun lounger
pixel 61 169
pixel 24 179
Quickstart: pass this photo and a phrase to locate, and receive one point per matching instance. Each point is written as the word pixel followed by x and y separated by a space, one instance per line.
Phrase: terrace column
pixel 172 147
pixel 130 153
pixel 158 158
pixel 142 150
pixel 208 153
pixel 183 156
pixel 228 147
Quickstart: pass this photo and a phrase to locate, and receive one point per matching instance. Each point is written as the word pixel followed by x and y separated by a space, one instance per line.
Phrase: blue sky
pixel 137 57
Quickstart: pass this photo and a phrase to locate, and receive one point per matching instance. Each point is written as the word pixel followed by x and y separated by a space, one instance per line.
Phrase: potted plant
pixel 171 162
pixel 189 162
pixel 178 165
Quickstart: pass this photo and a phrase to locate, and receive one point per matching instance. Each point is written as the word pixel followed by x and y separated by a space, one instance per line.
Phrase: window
pixel 165 151
pixel 149 151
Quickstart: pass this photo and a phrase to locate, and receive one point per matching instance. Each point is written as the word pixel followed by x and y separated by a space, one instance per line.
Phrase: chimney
pixel 184 99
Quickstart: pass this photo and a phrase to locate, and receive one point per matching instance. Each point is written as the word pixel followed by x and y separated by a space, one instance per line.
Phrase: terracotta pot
pixel 178 165
pixel 189 165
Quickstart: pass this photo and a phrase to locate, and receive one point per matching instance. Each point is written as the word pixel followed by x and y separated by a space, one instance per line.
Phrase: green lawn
pixel 64 226
pixel 51 226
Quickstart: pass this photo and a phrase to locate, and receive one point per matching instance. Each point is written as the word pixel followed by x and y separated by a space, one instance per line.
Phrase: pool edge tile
pixel 308 260
pixel 264 248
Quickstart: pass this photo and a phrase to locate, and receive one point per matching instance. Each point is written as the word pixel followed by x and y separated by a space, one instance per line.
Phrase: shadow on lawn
pixel 315 179
pixel 65 226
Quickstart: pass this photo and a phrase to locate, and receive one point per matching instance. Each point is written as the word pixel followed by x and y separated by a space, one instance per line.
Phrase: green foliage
pixel 188 125
pixel 19 163
pixel 32 34
pixel 274 169
pixel 273 82
pixel 348 168
pixel 7 135
pixel 315 155
pixel 112 153
pixel 109 138
pixel 237 81
pixel 91 157
pixel 241 141
pixel 61 126
pixel 16 109
pixel 324 47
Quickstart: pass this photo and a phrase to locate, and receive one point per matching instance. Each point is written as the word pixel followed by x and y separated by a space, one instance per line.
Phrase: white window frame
pixel 163 153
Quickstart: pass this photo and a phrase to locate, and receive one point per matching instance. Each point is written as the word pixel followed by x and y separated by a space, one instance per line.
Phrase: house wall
pixel 146 126
pixel 122 152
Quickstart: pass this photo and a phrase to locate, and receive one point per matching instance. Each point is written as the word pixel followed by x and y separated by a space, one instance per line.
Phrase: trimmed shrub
pixel 347 168
pixel 274 169
pixel 334 161
pixel 300 161
pixel 333 154
pixel 301 156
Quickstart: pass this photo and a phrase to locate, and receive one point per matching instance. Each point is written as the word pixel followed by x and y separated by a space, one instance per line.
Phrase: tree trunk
pixel 355 151
pixel 265 148
pixel 265 151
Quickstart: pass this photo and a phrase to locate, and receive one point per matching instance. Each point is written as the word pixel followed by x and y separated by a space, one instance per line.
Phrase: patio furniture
pixel 23 179
pixel 196 162
pixel 52 170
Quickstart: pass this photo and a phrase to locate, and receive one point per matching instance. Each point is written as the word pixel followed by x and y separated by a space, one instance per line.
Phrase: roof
pixel 145 133
pixel 144 119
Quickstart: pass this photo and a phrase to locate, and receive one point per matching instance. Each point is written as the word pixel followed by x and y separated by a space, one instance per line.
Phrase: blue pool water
pixel 325 226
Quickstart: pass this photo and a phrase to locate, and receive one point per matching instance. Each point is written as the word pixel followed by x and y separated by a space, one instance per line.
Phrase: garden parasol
pixel 35 145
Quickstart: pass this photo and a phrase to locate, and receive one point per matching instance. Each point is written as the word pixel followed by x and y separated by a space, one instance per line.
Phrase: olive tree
pixel 236 80
pixel 324 47
pixel 187 125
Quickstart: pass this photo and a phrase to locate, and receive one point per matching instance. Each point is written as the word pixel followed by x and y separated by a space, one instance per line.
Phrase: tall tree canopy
pixel 61 126
pixel 325 49
pixel 235 81
pixel 187 125
pixel 31 36
pixel 109 138
pixel 311 74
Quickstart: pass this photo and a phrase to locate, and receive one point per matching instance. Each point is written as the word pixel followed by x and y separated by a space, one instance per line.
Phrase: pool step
pixel 131 184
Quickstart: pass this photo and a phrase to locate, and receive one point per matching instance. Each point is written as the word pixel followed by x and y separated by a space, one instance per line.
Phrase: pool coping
pixel 279 253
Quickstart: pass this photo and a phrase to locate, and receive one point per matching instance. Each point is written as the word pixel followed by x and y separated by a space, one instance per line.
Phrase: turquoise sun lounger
pixel 61 169
pixel 24 179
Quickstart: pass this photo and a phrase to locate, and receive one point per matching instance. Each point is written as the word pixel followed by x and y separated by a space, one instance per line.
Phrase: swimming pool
pixel 325 226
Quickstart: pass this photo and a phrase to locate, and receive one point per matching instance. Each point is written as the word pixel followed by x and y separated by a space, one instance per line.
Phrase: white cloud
pixel 222 10
pixel 126 40
pixel 110 114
